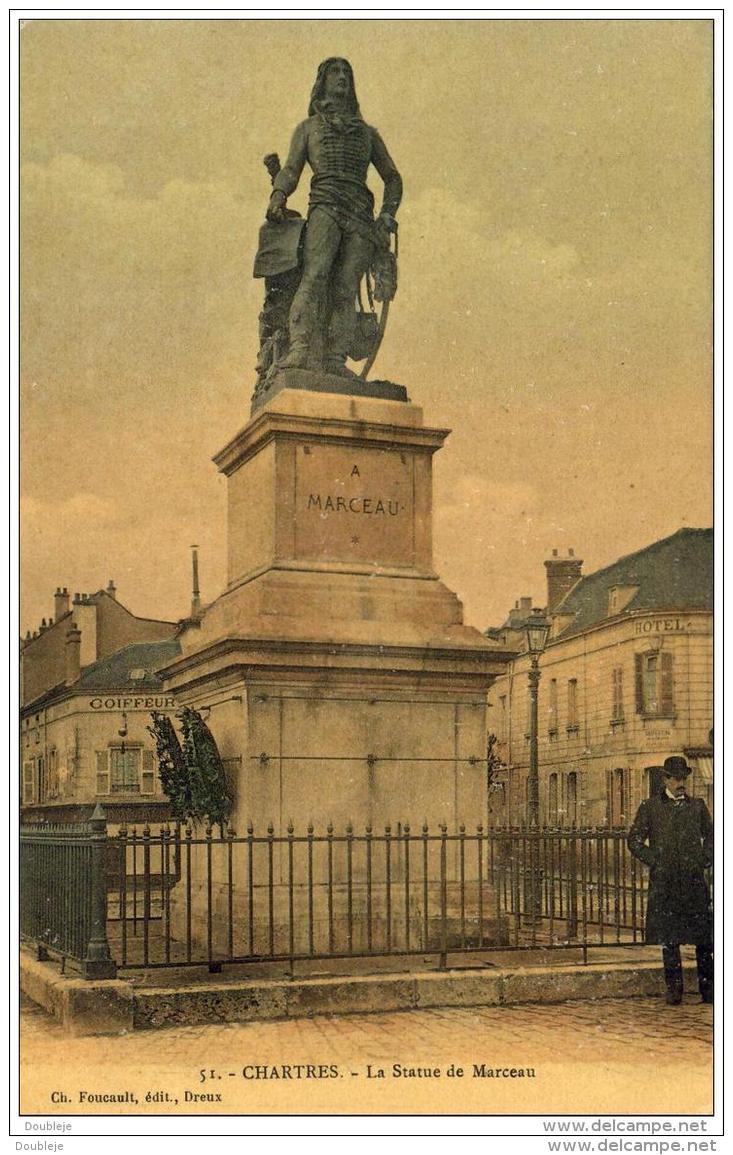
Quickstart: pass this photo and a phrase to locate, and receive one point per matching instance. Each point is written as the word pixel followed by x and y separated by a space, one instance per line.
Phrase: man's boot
pixel 704 956
pixel 672 974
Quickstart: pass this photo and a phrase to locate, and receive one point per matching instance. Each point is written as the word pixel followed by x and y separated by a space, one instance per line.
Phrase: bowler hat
pixel 676 767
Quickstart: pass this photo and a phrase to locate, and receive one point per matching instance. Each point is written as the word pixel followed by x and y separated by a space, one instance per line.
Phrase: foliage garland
pixel 172 769
pixel 191 773
pixel 210 795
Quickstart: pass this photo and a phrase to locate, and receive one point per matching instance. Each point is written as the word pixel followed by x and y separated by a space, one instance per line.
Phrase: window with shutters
pixel 147 780
pixel 29 794
pixel 125 770
pixel 552 803
pixel 617 803
pixel 572 726
pixel 52 776
pixel 650 684
pixel 552 709
pixel 102 771
pixel 655 683
pixel 502 719
pixel 571 798
pixel 653 781
pixel 617 695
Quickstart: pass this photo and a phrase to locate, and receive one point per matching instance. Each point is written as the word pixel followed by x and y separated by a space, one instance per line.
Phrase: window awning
pixel 704 769
pixel 701 761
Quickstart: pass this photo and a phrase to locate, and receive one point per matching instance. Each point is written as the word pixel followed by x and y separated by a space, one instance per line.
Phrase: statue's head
pixel 335 81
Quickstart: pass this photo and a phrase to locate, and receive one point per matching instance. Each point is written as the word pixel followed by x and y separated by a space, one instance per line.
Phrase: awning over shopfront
pixel 701 760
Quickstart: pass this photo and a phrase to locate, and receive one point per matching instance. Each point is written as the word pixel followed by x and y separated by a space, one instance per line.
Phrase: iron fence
pixel 63 892
pixel 261 897
pixel 564 887
pixel 183 897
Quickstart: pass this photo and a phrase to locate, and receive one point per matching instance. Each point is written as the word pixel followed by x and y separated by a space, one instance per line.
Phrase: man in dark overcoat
pixel 673 835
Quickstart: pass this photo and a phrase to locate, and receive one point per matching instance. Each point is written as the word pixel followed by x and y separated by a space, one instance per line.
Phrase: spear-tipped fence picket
pixel 179 896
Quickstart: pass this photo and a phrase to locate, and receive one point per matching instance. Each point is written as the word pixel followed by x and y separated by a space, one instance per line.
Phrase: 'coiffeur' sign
pixel 151 703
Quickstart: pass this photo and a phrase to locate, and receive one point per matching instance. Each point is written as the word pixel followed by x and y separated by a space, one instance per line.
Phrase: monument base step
pixel 318 381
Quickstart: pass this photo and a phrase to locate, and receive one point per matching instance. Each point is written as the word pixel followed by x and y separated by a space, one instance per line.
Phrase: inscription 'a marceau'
pixel 369 505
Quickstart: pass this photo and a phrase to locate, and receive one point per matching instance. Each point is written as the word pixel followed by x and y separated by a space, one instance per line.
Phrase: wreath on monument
pixel 493 762
pixel 191 772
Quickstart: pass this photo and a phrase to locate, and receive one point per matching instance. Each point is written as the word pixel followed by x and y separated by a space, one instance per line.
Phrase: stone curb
pixel 112 1007
pixel 102 1007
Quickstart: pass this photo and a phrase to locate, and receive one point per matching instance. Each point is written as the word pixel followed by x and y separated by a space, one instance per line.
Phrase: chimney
pixel 60 603
pixel 112 589
pixel 73 655
pixel 562 574
pixel 195 597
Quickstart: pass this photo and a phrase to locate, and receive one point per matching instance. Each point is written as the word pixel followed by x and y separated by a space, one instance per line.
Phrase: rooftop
pixel 675 573
pixel 133 668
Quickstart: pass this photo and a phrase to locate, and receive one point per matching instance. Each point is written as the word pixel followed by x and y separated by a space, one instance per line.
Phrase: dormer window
pixel 560 622
pixel 619 597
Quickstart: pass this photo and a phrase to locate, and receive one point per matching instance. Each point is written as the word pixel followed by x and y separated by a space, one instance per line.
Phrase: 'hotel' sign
pixel 662 626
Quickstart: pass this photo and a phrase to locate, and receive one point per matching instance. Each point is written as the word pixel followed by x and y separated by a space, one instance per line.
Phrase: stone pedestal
pixel 342 682
pixel 322 382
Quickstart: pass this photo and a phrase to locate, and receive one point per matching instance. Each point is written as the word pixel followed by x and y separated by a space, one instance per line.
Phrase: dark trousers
pixel 673 967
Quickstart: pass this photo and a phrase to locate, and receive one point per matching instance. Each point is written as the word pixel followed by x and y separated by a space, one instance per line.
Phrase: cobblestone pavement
pixel 630 1055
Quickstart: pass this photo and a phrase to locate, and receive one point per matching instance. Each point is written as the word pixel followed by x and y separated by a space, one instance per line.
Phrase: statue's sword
pixel 380 335
pixel 380 331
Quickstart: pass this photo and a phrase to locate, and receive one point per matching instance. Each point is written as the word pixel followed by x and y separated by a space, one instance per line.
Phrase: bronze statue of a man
pixel 341 232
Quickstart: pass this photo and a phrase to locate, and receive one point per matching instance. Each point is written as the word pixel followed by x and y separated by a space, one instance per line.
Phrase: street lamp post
pixel 536 631
pixel 533 778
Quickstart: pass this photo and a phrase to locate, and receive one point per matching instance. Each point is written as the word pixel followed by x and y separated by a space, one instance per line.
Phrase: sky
pixel 554 305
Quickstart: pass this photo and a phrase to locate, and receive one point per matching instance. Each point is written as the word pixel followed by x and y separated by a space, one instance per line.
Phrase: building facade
pixel 88 685
pixel 626 680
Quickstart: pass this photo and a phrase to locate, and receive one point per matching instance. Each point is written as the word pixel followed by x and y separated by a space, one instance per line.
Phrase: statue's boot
pixel 339 368
pixel 343 320
pixel 296 356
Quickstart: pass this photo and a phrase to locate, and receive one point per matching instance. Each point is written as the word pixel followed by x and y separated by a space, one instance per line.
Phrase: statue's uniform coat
pixel 675 840
pixel 339 236
pixel 339 154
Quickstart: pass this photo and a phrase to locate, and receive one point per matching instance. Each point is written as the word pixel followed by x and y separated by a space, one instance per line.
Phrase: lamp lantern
pixel 536 632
